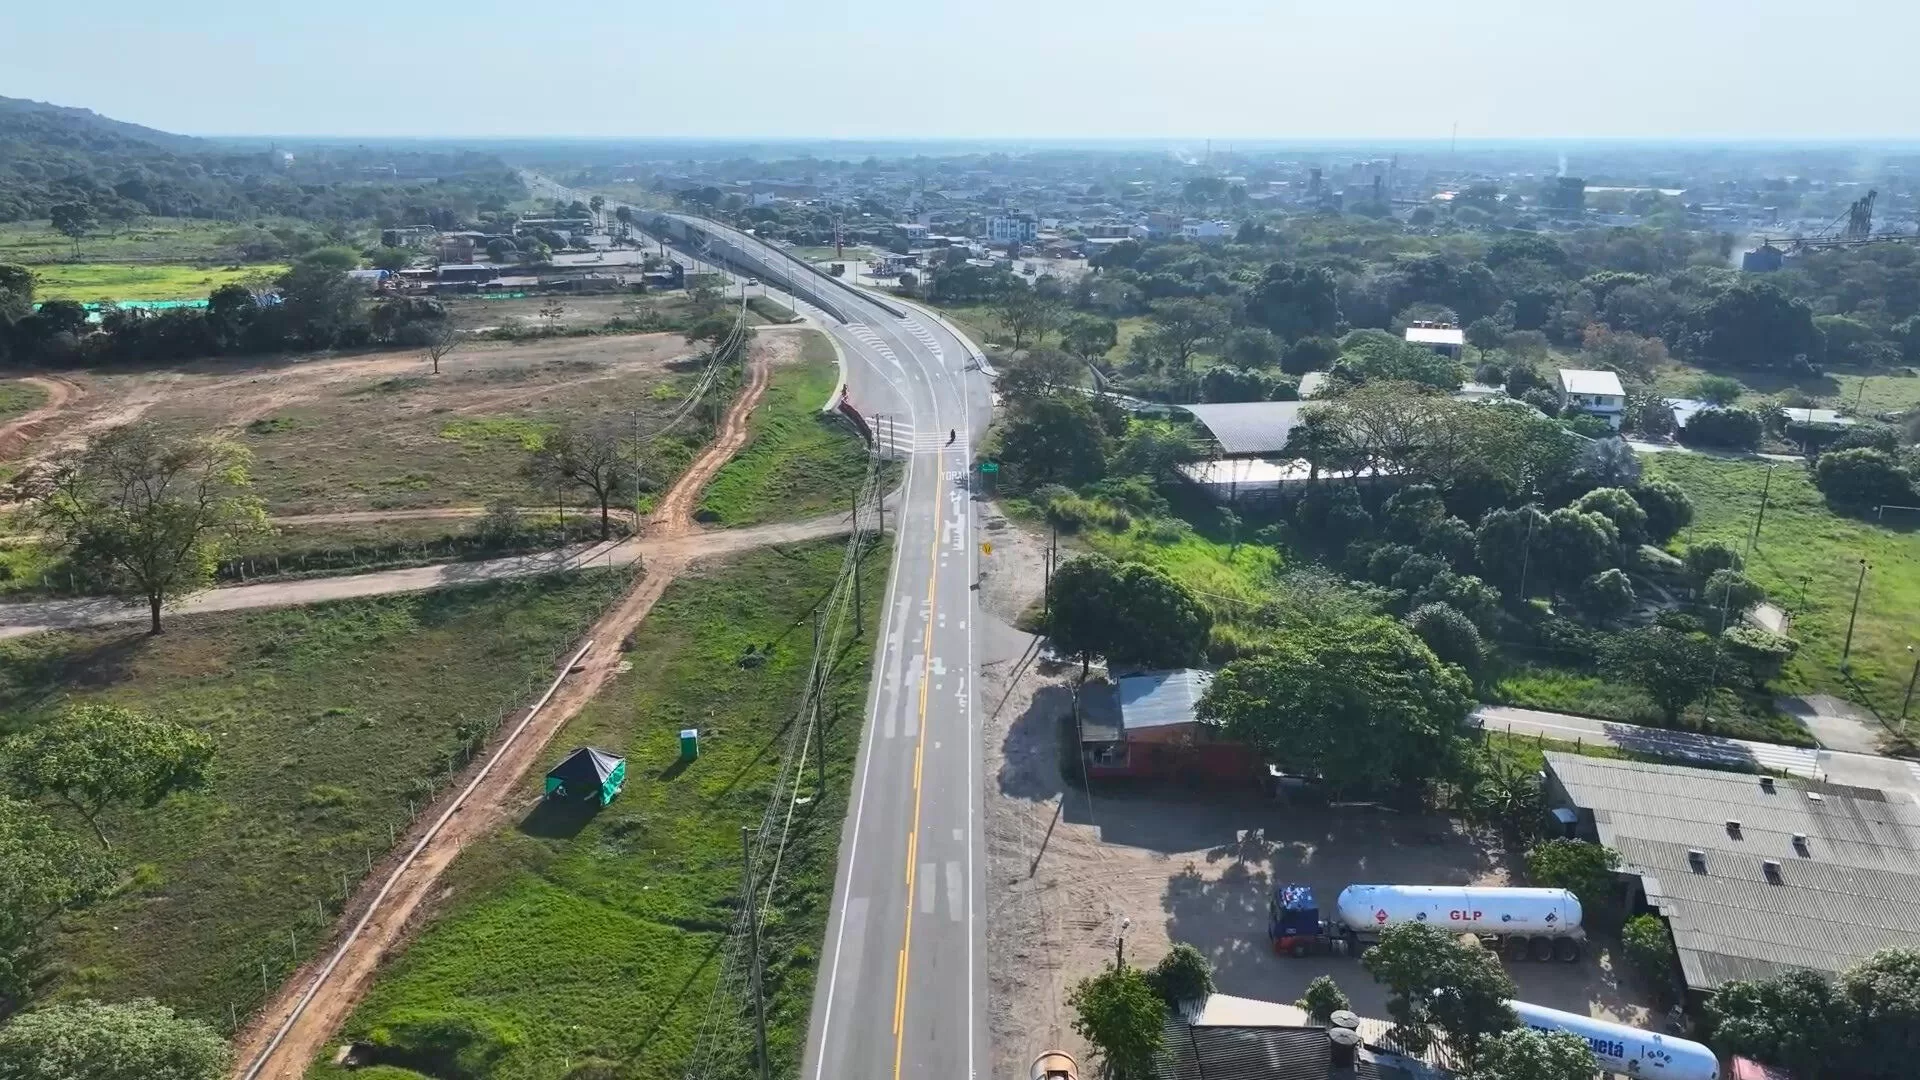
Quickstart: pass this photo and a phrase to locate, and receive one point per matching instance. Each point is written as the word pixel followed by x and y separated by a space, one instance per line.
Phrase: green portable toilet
pixel 587 773
pixel 689 743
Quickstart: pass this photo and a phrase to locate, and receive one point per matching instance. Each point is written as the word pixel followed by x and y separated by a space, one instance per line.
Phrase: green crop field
pixel 578 936
pixel 327 720
pixel 150 240
pixel 1808 559
pixel 17 398
pixel 798 462
pixel 88 282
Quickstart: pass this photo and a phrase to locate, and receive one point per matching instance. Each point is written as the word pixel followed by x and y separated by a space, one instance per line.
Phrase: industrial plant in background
pixel 1851 229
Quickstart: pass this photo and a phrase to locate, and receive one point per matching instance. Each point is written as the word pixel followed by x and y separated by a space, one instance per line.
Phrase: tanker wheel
pixel 1566 950
pixel 1541 948
pixel 1299 949
pixel 1515 948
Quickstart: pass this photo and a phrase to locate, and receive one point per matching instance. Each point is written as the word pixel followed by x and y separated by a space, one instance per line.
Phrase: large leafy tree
pixel 1186 326
pixel 1798 1020
pixel 1363 704
pixel 1675 668
pixel 88 1040
pixel 1752 323
pixel 1509 543
pixel 1578 544
pixel 1884 990
pixel 1862 477
pixel 1058 438
pixel 1128 613
pixel 1436 985
pixel 1526 1054
pixel 44 870
pixel 146 514
pixel 1667 507
pixel 96 756
pixel 1089 338
pixel 1618 506
pixel 1296 301
pixel 1122 1015
pixel 1586 870
pixel 319 305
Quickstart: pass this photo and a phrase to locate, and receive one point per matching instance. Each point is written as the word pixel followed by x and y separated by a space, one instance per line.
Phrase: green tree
pixel 1296 301
pixel 132 1040
pixel 1309 354
pixel 1121 1015
pixel 1674 668
pixel 1731 594
pixel 1752 323
pixel 1884 990
pixel 145 514
pixel 1436 985
pixel 1027 314
pixel 1762 653
pixel 1363 704
pixel 72 220
pixel 1128 613
pixel 1184 975
pixel 1718 389
pixel 1862 477
pixel 1588 871
pixel 1648 947
pixel 96 756
pixel 393 259
pixel 16 293
pixel 1186 326
pixel 1251 347
pixel 1607 595
pixel 1526 1054
pixel 1578 544
pixel 1667 507
pixel 1036 373
pixel 1323 998
pixel 1089 338
pixel 44 870
pixel 1056 439
pixel 589 456
pixel 320 306
pixel 1509 544
pixel 1731 429
pixel 1449 633
pixel 1618 506
pixel 1797 1020
pixel 1708 557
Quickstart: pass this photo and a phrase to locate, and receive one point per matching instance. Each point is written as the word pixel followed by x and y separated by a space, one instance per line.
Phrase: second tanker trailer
pixel 1539 924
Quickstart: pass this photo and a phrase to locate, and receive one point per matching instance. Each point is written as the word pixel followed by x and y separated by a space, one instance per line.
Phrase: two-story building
pixel 1007 228
pixel 1444 338
pixel 1596 393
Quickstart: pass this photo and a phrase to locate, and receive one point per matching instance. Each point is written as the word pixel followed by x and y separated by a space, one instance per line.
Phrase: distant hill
pixel 53 154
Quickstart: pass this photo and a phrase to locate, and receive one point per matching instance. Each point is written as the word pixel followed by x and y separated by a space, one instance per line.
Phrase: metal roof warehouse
pixel 1754 874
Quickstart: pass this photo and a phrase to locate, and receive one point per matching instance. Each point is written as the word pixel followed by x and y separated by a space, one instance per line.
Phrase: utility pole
pixel 1053 551
pixel 1762 514
pixel 859 552
pixel 753 959
pixel 1909 698
pixel 1847 649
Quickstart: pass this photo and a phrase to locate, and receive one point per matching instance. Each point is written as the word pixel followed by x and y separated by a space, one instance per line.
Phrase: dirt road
pixel 296 1040
pixel 17 432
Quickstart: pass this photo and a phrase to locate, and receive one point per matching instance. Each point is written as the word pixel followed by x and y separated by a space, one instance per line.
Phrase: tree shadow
pixel 35 682
pixel 1030 765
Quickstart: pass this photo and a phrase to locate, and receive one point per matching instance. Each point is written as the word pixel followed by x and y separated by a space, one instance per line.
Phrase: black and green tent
pixel 587 773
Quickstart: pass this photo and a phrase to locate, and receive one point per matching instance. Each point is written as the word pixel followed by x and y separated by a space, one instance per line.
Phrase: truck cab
pixel 1293 920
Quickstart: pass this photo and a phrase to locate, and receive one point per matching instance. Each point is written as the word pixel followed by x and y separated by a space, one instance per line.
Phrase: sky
pixel 1015 69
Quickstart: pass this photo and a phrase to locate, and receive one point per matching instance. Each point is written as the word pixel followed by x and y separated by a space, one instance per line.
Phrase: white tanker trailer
pixel 1543 924
pixel 1628 1051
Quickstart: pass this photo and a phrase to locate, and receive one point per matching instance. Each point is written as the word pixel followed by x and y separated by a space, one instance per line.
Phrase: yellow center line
pixel 919 755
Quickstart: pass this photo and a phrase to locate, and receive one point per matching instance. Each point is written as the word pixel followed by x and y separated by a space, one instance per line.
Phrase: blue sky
pixel 1737 69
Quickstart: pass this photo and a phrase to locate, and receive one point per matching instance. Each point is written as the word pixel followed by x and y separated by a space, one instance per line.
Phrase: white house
pixel 1005 228
pixel 1597 393
pixel 1444 338
pixel 1206 230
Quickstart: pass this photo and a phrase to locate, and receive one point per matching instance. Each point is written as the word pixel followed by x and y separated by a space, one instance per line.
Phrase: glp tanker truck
pixel 1628 1051
pixel 1541 924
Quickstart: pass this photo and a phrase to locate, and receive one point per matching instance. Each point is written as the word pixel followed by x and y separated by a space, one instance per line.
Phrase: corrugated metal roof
pixel 1852 890
pixel 1250 427
pixel 1271 1053
pixel 1160 698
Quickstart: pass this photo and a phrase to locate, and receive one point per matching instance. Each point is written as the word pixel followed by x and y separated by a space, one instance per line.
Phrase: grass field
pixel 1808 559
pixel 1738 714
pixel 18 398
pixel 599 936
pixel 151 240
pixel 1867 393
pixel 92 281
pixel 327 721
pixel 798 461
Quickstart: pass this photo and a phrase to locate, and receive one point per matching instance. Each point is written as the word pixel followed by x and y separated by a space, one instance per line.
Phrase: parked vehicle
pixel 1541 924
pixel 1628 1051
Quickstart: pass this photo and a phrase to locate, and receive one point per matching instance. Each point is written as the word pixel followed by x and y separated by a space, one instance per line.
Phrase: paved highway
pixel 901 988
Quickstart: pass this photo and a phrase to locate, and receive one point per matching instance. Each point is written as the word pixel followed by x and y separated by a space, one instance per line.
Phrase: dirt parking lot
pixel 1066 867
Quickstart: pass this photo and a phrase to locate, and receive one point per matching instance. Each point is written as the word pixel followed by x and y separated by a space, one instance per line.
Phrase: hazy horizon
pixel 1070 71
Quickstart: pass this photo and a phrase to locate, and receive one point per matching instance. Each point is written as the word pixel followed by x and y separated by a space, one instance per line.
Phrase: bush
pixel 1184 975
pixel 1708 556
pixel 1072 513
pixel 1648 950
pixel 1733 429
pixel 1309 354
pixel 1449 633
pixel 1323 998
pixel 1667 507
pixel 445 1045
pixel 1585 870
pixel 1862 477
pixel 1607 595
pixel 1730 594
pixel 1717 389
pixel 1762 652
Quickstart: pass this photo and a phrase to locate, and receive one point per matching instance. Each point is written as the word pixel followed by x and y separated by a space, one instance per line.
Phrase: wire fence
pixel 332 890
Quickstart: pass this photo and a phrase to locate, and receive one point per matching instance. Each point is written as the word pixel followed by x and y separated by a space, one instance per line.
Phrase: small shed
pixel 587 773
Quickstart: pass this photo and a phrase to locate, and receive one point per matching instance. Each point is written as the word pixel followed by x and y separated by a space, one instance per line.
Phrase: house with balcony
pixel 1596 393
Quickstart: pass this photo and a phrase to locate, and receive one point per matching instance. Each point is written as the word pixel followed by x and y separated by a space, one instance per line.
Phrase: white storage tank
pixel 1461 908
pixel 1629 1051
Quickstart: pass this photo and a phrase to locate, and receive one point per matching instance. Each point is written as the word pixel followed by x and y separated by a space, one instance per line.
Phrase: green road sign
pixel 989 466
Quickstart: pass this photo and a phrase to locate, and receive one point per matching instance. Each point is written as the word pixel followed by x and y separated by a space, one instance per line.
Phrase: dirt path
pixel 676 545
pixel 17 432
